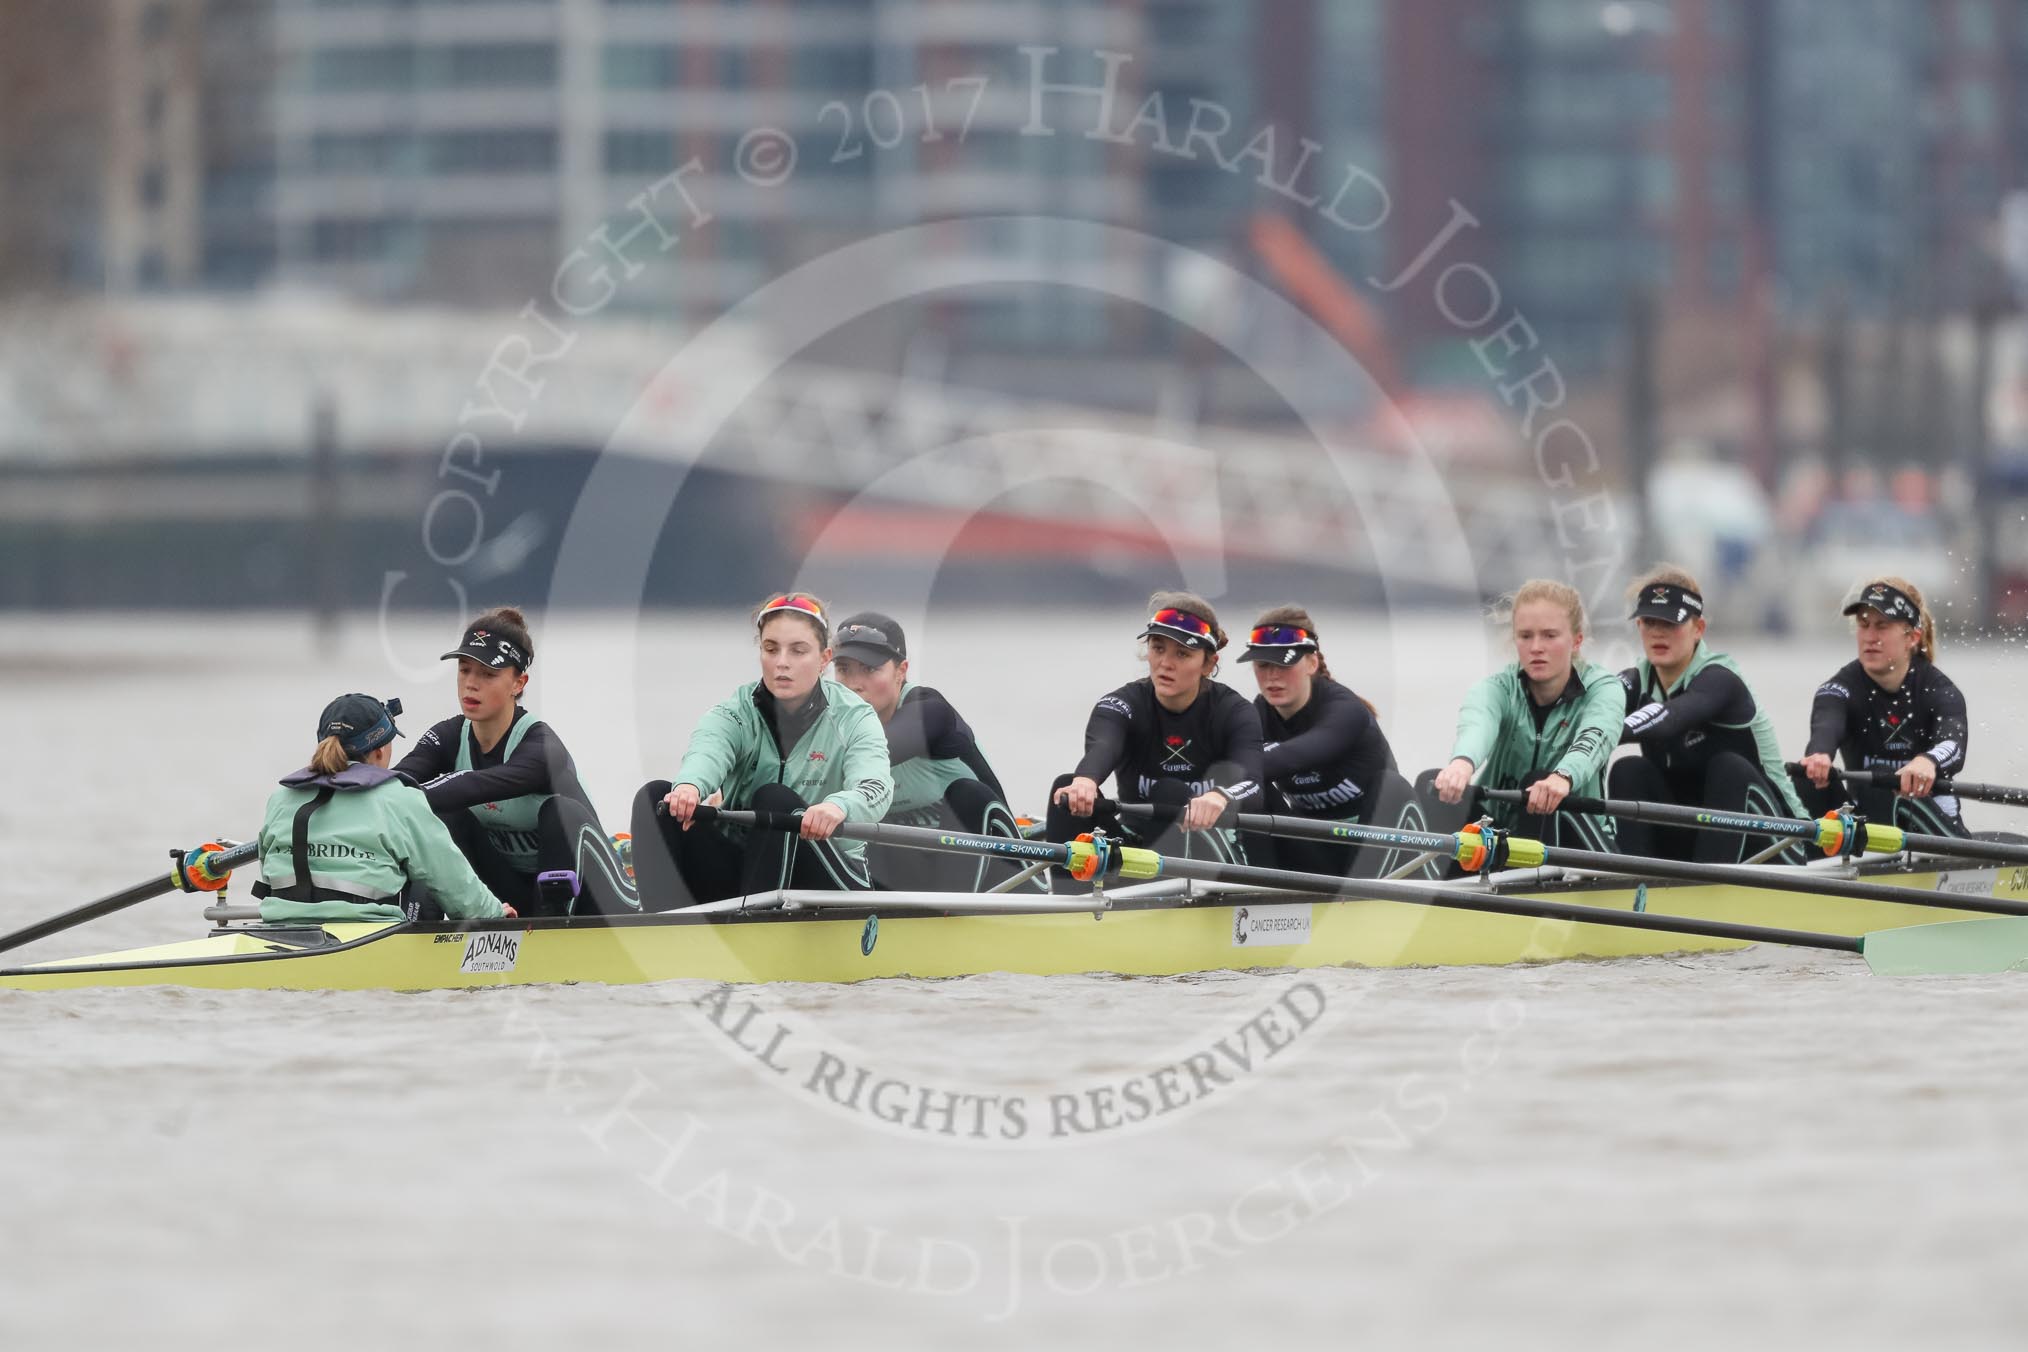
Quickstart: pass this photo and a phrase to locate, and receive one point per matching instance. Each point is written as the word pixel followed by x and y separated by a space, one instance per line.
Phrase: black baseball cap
pixel 489 648
pixel 1667 601
pixel 871 638
pixel 361 723
pixel 1891 601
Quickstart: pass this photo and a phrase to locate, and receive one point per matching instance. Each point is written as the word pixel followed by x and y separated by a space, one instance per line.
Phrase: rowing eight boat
pixel 1165 928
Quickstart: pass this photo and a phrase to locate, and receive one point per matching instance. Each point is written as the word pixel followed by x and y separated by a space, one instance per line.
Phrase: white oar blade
pixel 1955 947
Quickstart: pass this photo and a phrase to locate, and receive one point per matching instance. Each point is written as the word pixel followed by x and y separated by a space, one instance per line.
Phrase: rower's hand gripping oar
pixel 1912 948
pixel 204 869
pixel 1837 833
pixel 1943 788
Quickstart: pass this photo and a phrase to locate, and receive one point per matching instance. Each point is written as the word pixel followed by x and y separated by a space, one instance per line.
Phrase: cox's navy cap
pixel 361 723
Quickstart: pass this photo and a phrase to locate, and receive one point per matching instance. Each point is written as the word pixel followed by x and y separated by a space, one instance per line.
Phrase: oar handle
pixel 1572 802
pixel 1962 788
pixel 704 814
pixel 1082 859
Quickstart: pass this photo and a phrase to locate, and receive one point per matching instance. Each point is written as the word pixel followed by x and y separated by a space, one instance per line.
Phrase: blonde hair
pixel 1664 574
pixel 820 623
pixel 1926 627
pixel 1545 589
pixel 329 758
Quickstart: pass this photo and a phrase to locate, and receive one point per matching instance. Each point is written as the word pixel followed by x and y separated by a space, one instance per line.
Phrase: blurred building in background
pixel 1773 228
pixel 53 119
pixel 189 115
pixel 452 150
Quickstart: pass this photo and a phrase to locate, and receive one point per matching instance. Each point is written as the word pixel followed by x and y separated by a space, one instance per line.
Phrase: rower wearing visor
pixel 1890 711
pixel 1547 723
pixel 506 786
pixel 791 742
pixel 1176 739
pixel 346 838
pixel 941 778
pixel 1323 755
pixel 1705 740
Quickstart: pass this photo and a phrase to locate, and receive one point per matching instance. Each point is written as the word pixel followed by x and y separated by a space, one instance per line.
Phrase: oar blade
pixel 1954 947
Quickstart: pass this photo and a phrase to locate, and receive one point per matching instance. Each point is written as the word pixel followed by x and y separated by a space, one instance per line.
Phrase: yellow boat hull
pixel 1138 939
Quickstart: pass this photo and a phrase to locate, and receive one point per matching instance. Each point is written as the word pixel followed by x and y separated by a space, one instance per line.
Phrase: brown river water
pixel 1764 1146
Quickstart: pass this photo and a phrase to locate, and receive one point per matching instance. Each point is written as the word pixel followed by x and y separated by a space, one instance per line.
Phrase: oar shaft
pixel 1632 866
pixel 1962 788
pixel 1673 814
pixel 1461 899
pixel 1146 863
pixel 154 887
pixel 1882 837
pixel 1310 828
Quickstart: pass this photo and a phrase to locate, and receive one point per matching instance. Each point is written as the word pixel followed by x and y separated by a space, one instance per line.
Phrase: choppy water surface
pixel 1768 1145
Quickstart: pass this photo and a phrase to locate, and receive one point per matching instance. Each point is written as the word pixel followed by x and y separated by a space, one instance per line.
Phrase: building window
pixel 151 186
pixel 1657 175
pixel 832 70
pixel 1978 110
pixel 351 152
pixel 1178 25
pixel 1978 26
pixel 1726 187
pixel 492 65
pixel 350 240
pixel 489 152
pixel 640 66
pixel 640 152
pixel 1724 268
pixel 237 187
pixel 361 69
pixel 237 265
pixel 1565 185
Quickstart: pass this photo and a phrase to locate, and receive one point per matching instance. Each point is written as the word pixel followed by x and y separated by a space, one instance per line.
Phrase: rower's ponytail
pixel 329 757
pixel 1926 626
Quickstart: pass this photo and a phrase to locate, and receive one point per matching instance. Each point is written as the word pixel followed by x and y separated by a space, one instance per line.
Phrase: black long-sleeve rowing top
pixel 1872 728
pixel 1329 759
pixel 1213 744
pixel 536 763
